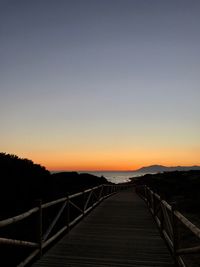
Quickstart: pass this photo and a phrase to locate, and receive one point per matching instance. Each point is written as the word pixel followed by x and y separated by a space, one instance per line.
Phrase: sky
pixel 100 84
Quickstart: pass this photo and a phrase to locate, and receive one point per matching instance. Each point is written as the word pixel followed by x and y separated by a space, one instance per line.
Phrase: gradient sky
pixel 100 84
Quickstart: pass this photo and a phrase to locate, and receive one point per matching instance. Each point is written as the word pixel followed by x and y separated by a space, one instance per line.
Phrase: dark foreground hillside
pixel 180 188
pixel 23 182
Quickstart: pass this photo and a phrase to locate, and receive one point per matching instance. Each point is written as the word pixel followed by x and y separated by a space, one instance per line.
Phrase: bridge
pixel 117 231
pixel 120 232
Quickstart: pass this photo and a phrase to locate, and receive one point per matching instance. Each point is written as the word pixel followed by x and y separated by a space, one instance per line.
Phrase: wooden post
pixel 151 201
pixel 161 217
pixel 39 226
pixel 107 188
pixel 145 193
pixel 154 204
pixel 102 189
pixel 83 202
pixel 68 212
pixel 175 234
pixel 92 197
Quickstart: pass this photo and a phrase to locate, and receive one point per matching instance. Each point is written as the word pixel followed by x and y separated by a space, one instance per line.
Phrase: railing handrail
pixel 28 213
pixel 98 193
pixel 193 228
pixel 18 218
pixel 169 230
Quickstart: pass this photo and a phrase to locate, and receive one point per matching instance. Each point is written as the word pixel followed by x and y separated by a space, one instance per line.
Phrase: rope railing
pixel 55 218
pixel 181 236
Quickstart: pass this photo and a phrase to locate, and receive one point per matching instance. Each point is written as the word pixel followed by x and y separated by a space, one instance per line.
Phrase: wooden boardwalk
pixel 120 232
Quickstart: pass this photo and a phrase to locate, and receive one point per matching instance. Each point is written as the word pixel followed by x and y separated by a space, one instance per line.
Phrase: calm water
pixel 115 177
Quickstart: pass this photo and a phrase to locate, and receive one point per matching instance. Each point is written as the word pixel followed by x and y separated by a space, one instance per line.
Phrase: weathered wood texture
pixel 120 232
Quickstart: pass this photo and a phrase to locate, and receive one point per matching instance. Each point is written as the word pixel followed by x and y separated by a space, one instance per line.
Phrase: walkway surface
pixel 120 232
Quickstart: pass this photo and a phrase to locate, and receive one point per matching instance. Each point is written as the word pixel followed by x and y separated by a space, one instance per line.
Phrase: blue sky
pixel 100 84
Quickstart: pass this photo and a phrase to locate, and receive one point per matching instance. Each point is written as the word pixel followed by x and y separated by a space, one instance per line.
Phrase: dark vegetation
pixel 180 188
pixel 23 182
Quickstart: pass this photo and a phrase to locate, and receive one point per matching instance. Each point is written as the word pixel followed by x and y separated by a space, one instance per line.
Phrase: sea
pixel 116 176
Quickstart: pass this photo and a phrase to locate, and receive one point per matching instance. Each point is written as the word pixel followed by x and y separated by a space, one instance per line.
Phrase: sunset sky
pixel 100 84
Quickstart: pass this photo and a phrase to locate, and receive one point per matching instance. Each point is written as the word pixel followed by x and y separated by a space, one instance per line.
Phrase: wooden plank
pixel 119 232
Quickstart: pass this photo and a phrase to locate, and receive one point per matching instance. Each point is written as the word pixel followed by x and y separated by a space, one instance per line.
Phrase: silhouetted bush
pixel 22 182
pixel 180 188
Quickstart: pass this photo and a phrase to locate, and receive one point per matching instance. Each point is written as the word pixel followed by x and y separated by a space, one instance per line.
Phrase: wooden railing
pixel 181 236
pixel 54 218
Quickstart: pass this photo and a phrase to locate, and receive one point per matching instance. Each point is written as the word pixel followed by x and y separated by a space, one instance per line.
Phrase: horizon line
pixel 117 170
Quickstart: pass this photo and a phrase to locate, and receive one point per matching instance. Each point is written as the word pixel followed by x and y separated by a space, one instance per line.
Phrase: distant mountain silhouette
pixel 161 168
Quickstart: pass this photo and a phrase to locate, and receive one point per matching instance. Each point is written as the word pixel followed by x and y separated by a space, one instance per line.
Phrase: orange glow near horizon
pixel 108 161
